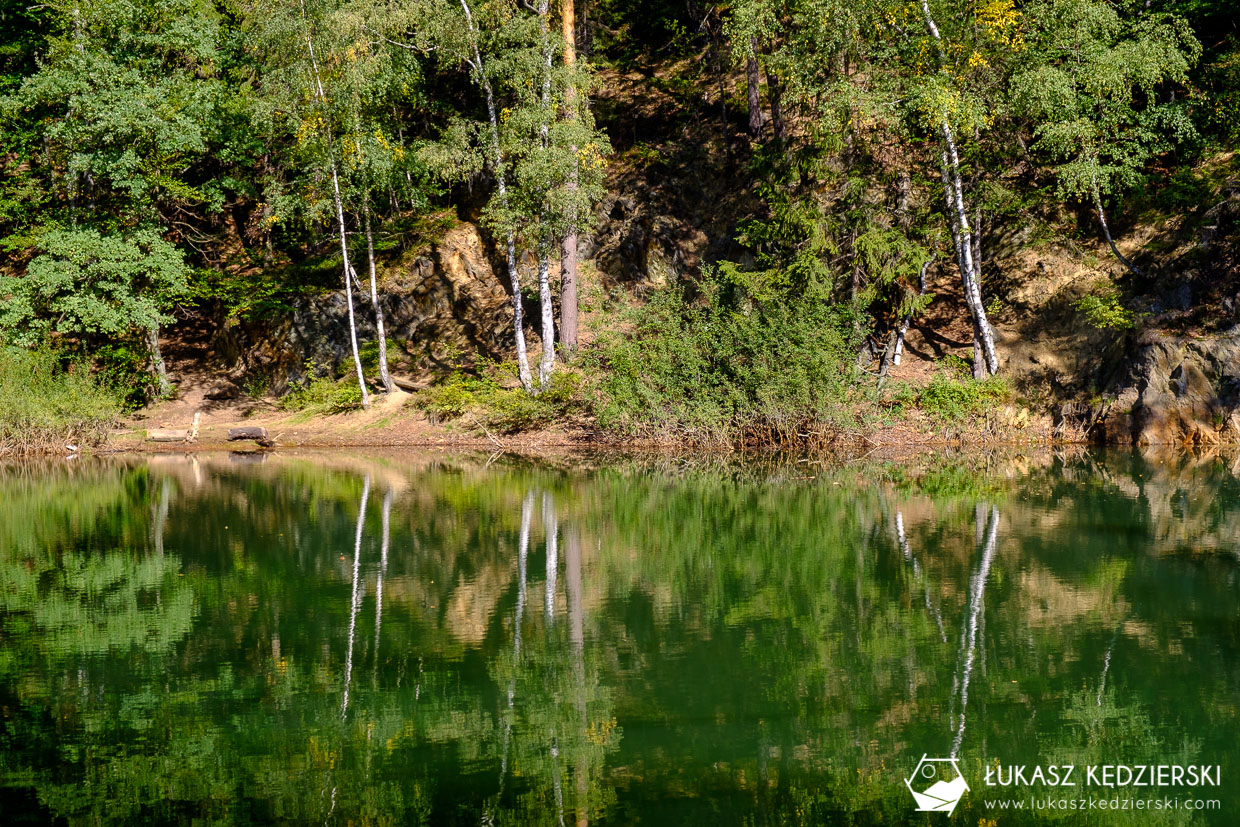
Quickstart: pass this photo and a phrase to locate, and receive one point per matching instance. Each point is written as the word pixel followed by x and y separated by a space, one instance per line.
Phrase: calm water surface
pixel 435 640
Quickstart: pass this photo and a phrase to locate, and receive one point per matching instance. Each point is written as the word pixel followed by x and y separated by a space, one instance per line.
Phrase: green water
pixel 435 640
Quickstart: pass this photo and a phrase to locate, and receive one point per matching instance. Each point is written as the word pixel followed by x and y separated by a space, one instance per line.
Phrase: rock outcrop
pixel 441 309
pixel 1175 391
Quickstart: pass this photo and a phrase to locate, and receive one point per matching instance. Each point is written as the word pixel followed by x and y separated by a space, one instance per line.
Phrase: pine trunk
pixel 568 248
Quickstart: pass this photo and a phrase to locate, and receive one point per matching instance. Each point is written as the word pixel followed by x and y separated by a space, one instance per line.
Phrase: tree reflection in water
pixel 181 637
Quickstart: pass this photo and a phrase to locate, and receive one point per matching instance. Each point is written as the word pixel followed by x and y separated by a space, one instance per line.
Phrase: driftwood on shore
pixel 189 434
pixel 167 435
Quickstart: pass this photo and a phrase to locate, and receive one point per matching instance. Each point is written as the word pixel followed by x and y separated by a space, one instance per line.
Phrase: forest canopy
pixel 183 164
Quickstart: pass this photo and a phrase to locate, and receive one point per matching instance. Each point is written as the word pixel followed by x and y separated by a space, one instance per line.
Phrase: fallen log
pixel 407 384
pixel 167 435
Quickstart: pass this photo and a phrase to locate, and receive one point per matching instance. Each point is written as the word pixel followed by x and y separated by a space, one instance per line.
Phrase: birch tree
pixel 324 124
pixel 940 100
pixel 1095 86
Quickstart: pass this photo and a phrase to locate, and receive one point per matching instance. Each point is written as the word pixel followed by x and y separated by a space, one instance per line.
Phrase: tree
pixel 83 283
pixel 568 255
pixel 1092 84
pixel 122 106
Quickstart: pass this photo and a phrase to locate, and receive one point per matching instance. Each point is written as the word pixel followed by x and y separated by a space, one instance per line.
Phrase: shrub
pixel 322 394
pixel 44 406
pixel 948 398
pixel 492 404
pixel 1104 311
pixel 727 364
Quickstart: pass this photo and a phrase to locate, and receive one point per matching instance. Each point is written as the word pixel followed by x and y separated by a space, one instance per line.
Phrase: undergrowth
pixel 46 406
pixel 489 400
pixel 728 366
pixel 951 396
pixel 316 394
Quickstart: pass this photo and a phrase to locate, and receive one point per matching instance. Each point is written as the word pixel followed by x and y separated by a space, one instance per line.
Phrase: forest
pixel 746 221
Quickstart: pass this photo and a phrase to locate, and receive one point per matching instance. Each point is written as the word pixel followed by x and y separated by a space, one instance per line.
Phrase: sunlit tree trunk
pixel 162 385
pixel 568 249
pixel 518 313
pixel 344 242
pixel 384 377
pixel 985 360
pixel 547 364
pixel 1106 231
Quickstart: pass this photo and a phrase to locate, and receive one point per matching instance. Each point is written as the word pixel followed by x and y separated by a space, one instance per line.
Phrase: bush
pixel 44 407
pixel 492 404
pixel 322 394
pixel 949 398
pixel 1105 312
pixel 728 365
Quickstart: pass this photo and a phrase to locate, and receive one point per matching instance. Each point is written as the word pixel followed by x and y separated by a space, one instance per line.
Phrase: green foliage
pixel 316 394
pixel 949 398
pixel 1090 82
pixel 44 406
pixel 124 366
pixel 713 368
pixel 1103 310
pixel 86 283
pixel 369 353
pixel 490 401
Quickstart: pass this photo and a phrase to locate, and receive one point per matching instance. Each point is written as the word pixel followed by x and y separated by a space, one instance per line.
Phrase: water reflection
pixel 192 638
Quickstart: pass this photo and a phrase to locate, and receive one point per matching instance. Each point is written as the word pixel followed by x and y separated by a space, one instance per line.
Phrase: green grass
pixel 45 406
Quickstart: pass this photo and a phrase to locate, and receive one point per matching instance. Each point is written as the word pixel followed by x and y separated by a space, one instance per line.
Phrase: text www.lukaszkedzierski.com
pixel 1090 803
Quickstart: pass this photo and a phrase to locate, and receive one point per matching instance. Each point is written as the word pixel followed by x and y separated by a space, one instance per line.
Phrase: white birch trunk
pixel 1106 231
pixel 344 243
pixel 384 377
pixel 518 313
pixel 962 236
pixel 547 364
pixel 908 319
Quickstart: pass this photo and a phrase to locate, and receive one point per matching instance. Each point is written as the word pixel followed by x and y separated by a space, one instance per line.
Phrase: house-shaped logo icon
pixel 937 785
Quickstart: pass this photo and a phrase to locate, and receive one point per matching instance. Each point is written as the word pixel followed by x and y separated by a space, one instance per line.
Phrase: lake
pixel 452 639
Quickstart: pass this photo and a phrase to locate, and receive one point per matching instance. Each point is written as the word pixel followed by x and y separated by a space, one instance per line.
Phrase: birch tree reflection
pixel 971 634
